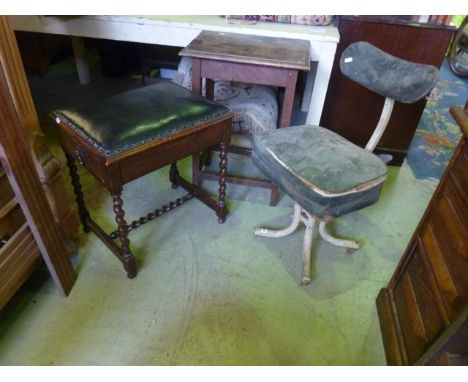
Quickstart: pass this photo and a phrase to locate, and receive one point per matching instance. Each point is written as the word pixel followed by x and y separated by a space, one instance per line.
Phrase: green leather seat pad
pixel 318 157
pixel 124 121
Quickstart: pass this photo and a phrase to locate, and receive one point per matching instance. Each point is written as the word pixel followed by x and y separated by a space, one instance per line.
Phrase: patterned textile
pixel 287 19
pixel 312 20
pixel 255 107
pixel 437 134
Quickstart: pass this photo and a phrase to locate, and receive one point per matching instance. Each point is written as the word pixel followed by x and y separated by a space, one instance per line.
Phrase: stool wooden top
pixel 260 50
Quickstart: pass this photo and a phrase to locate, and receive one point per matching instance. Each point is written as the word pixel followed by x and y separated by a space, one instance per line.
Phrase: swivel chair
pixel 326 175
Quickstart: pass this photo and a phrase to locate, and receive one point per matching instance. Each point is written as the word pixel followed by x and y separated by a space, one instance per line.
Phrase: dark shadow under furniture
pixel 352 111
pixel 126 136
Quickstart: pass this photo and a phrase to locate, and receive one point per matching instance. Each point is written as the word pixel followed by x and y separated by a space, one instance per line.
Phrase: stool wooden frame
pixel 117 170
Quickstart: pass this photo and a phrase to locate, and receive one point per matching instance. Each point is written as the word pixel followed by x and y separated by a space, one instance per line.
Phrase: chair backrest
pixel 389 76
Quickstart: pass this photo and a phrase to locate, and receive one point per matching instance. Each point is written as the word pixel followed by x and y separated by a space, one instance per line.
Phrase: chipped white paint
pixel 301 215
pixel 282 232
pixel 348 244
pixel 307 249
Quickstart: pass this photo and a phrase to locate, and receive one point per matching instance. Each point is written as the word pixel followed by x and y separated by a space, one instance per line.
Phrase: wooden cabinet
pixel 353 111
pixel 423 311
pixel 28 228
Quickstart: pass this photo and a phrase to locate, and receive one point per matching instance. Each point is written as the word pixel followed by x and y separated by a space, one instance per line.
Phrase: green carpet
pixel 210 294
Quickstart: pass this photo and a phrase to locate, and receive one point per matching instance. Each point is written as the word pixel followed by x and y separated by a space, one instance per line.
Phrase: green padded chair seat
pixel 123 121
pixel 326 174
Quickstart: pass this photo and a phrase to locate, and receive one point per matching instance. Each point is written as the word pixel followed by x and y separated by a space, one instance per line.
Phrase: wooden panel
pixel 11 218
pixel 459 174
pixel 216 69
pixel 418 312
pixel 260 75
pixel 86 157
pixel 445 239
pixel 353 111
pixel 460 194
pixel 18 259
pixel 410 321
pixel 393 342
pixel 172 150
pixel 454 351
pixel 6 193
pixel 253 74
pixel 442 272
pixel 455 216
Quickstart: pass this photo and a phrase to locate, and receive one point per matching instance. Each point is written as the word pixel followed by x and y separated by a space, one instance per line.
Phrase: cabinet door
pixel 418 313
pixel 444 235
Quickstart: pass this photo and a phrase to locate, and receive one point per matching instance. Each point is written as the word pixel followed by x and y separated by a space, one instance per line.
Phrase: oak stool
pixel 126 136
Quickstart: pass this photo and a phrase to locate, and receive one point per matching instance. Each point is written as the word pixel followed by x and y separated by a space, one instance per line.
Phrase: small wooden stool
pixel 126 136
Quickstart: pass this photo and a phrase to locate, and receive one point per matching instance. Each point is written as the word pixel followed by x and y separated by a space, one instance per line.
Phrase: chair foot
pixel 305 281
pixel 130 267
pixel 350 245
pixel 309 221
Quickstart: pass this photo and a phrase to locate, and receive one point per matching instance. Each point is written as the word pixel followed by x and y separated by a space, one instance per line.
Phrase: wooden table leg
pixel 197 89
pixel 285 121
pixel 222 211
pixel 196 168
pixel 79 197
pixel 127 257
pixel 288 101
pixel 173 174
pixel 274 196
pixel 82 66
pixel 209 88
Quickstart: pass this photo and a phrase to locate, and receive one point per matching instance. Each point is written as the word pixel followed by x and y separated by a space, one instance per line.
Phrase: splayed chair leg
pixel 309 221
pixel 350 245
pixel 266 232
pixel 307 249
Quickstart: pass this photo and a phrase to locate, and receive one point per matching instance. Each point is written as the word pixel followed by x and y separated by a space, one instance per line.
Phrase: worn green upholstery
pixel 121 122
pixel 326 174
